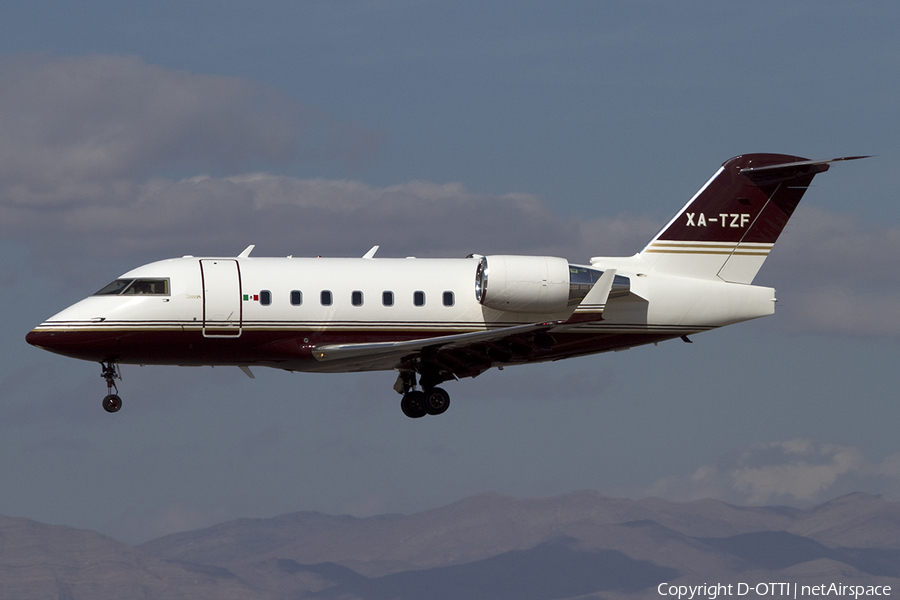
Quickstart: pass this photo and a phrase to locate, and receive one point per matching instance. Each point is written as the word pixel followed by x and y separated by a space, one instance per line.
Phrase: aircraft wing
pixel 380 351
pixel 468 354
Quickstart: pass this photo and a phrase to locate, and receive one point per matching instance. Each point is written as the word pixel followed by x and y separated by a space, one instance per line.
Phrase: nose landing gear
pixel 111 402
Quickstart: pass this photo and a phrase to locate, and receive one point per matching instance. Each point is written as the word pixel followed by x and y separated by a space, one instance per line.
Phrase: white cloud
pixel 85 127
pixel 838 275
pixel 796 472
pixel 287 215
pixel 83 134
pixel 799 470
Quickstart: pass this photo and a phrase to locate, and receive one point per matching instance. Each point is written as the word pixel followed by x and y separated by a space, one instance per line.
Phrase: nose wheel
pixel 111 402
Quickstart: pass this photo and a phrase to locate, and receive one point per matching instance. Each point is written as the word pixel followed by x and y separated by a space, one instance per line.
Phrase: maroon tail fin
pixel 728 228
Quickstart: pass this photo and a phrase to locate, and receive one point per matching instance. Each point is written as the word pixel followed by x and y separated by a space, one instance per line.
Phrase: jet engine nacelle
pixel 530 284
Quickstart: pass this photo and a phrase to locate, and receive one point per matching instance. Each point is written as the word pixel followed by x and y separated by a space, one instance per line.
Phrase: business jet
pixel 436 320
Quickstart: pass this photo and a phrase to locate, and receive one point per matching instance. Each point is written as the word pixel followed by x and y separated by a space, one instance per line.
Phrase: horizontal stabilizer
pixel 787 172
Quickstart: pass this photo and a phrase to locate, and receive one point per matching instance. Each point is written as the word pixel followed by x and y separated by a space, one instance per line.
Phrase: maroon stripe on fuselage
pixel 288 349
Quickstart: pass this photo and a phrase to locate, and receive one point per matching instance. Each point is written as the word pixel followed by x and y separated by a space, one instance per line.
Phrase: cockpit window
pixel 144 287
pixel 115 288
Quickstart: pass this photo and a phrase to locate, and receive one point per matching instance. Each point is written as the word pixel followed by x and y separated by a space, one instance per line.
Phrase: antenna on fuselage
pixel 371 253
pixel 247 251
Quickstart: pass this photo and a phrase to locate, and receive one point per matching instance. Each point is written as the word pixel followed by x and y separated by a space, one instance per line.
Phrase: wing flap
pixel 378 351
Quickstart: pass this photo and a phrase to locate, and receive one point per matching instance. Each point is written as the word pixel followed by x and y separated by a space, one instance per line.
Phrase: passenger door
pixel 222 304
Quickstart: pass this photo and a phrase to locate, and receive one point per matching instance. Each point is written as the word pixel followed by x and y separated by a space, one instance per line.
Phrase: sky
pixel 133 132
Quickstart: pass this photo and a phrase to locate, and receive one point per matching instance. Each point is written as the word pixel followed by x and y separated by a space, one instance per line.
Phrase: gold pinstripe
pixel 717 248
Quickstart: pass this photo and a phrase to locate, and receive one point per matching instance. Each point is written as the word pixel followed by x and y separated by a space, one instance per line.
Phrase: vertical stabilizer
pixel 728 228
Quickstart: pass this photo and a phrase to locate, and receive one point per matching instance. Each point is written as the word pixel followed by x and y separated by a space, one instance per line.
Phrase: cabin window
pixel 265 297
pixel 448 299
pixel 296 298
pixel 325 298
pixel 387 298
pixel 142 286
pixel 356 298
pixel 419 298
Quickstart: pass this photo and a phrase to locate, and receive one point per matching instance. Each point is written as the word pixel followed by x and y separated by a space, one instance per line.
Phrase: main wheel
pixel 413 405
pixel 112 403
pixel 436 401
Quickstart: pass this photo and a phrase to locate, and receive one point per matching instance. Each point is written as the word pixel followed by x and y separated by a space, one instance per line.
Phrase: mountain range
pixel 489 546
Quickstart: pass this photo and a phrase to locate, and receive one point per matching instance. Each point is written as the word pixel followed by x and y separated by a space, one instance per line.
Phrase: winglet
pixel 591 308
pixel 247 251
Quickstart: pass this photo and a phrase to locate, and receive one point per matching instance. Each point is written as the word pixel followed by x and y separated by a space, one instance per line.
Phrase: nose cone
pixel 34 338
pixel 82 343
pixel 64 333
pixel 52 341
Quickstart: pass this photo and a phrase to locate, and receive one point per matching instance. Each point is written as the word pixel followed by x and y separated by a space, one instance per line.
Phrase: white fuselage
pixel 242 310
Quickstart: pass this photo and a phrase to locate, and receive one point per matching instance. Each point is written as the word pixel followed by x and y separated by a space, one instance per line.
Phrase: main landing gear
pixel 415 403
pixel 111 402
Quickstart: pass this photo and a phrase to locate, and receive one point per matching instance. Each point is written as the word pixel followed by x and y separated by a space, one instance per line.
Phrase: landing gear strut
pixel 415 403
pixel 111 402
